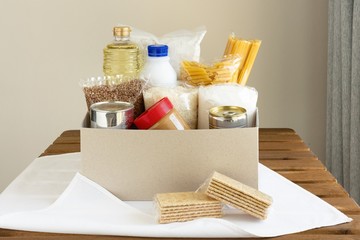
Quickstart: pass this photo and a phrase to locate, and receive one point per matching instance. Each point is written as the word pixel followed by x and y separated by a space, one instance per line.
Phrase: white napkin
pixel 87 208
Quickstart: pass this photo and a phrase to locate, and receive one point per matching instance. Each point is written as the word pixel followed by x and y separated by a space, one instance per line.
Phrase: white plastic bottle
pixel 158 70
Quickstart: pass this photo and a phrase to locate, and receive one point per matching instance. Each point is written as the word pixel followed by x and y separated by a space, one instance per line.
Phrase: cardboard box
pixel 137 164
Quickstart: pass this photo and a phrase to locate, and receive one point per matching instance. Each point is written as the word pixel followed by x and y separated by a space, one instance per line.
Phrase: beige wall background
pixel 47 46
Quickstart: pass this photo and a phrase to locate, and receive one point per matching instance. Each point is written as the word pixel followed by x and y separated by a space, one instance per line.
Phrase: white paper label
pixel 176 122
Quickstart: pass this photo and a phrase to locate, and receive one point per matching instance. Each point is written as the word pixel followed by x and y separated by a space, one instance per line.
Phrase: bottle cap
pixel 157 50
pixel 154 114
pixel 121 31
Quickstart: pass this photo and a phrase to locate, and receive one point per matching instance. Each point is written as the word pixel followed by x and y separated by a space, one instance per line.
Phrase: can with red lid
pixel 161 115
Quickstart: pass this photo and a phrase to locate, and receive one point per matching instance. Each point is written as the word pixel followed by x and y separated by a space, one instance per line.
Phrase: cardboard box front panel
pixel 137 164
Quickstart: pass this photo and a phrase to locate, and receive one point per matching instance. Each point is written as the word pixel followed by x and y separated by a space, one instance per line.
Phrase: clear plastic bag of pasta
pixel 247 50
pixel 223 71
pixel 184 98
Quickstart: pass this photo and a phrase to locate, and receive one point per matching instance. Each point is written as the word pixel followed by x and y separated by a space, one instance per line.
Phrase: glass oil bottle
pixel 122 57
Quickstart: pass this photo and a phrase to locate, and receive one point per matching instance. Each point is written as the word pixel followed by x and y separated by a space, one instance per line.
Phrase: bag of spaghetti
pixel 221 71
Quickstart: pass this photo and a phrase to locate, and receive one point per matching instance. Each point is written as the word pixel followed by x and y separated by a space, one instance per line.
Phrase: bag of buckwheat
pixel 117 88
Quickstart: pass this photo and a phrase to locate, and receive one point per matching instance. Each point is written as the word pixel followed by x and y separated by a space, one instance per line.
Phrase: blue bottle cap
pixel 157 50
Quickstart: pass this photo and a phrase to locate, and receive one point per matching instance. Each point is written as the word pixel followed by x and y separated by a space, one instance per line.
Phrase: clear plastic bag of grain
pixel 183 97
pixel 117 88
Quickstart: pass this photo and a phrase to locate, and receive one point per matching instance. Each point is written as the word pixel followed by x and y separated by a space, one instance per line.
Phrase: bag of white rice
pixel 184 99
pixel 226 95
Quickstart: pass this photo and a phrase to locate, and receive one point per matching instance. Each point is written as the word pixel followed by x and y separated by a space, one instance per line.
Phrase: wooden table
pixel 283 151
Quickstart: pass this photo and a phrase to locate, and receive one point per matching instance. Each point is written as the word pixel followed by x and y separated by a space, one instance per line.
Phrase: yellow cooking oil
pixel 122 57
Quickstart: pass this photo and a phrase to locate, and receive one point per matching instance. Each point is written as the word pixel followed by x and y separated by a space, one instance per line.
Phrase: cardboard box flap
pixel 137 164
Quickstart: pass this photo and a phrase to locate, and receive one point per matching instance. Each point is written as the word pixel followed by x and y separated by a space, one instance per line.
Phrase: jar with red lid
pixel 161 115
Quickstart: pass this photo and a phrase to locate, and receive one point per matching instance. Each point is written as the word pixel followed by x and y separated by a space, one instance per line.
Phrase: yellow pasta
pixel 200 74
pixel 245 71
pixel 247 51
pixel 238 60
pixel 230 44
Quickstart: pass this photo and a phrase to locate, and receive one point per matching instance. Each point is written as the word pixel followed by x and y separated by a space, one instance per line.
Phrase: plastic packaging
pixel 247 50
pixel 162 116
pixel 183 44
pixel 226 95
pixel 222 71
pixel 158 70
pixel 118 88
pixel 184 99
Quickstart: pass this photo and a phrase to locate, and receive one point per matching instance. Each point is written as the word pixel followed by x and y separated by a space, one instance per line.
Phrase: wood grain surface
pixel 280 149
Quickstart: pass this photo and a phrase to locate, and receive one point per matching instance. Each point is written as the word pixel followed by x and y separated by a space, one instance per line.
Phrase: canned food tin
pixel 227 117
pixel 112 114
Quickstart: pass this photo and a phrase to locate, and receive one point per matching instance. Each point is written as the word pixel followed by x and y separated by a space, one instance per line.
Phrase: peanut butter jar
pixel 161 116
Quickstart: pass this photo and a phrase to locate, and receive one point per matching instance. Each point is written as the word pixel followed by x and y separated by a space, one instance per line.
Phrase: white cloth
pixel 36 201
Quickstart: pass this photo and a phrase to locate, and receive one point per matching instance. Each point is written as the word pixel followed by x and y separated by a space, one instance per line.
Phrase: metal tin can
pixel 112 114
pixel 227 117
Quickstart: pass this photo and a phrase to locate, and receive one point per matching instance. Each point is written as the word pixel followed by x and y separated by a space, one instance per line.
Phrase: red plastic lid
pixel 156 112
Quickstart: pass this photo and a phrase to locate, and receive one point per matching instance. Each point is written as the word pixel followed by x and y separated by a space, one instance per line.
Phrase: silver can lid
pixel 227 117
pixel 111 114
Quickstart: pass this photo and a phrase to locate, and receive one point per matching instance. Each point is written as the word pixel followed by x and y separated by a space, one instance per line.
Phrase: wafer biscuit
pixel 186 206
pixel 236 200
pixel 188 209
pixel 188 218
pixel 239 195
pixel 262 214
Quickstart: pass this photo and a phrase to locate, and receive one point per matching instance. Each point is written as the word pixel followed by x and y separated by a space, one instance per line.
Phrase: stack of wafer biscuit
pixel 238 195
pixel 186 206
